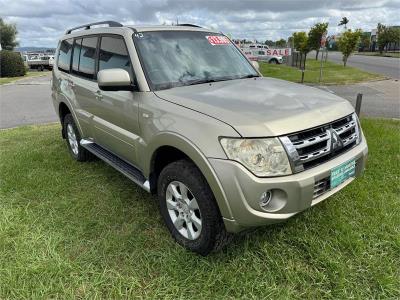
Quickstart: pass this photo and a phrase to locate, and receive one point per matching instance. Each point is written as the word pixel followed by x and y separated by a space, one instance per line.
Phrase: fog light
pixel 265 199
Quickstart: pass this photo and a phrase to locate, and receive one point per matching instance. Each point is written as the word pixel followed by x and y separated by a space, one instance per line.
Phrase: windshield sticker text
pixel 217 40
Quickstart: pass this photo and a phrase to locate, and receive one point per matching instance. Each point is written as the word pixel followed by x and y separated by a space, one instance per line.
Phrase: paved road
pixel 388 66
pixel 380 98
pixel 25 102
pixel 28 101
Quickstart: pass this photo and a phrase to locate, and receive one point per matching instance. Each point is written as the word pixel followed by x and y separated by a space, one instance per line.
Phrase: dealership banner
pixel 278 52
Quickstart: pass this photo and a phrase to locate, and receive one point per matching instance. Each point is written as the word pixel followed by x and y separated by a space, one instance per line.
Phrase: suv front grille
pixel 315 146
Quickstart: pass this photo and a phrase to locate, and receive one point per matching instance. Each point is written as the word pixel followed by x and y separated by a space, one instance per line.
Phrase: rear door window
pixel 87 57
pixel 75 56
pixel 114 54
pixel 64 55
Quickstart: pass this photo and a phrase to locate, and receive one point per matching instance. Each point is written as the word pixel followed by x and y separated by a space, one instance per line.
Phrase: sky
pixel 41 22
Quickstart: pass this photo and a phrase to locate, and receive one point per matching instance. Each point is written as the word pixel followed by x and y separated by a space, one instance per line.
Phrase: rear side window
pixel 87 57
pixel 75 56
pixel 64 55
pixel 114 54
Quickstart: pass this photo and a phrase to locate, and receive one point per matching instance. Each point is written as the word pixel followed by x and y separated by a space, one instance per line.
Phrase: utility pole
pixel 320 68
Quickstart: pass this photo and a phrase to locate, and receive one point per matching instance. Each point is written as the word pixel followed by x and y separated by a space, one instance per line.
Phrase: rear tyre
pixel 73 139
pixel 189 209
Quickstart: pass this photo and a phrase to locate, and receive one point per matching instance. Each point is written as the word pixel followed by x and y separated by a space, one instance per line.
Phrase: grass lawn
pixel 385 54
pixel 4 80
pixel 332 73
pixel 82 230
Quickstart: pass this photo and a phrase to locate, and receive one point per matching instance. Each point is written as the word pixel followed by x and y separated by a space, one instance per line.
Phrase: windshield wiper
pixel 208 80
pixel 248 76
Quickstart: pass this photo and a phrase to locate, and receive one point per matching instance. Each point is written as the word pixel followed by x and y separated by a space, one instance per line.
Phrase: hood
pixel 262 106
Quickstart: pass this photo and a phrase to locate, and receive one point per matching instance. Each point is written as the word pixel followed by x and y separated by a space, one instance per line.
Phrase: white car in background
pixel 261 55
pixel 260 52
pixel 51 61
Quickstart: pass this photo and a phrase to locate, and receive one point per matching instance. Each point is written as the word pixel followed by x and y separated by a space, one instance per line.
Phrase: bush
pixel 11 64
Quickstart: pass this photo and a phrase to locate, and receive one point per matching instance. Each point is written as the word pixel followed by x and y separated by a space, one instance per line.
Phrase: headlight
pixel 358 128
pixel 263 157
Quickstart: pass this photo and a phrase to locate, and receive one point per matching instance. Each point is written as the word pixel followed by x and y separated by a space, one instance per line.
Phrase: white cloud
pixel 41 22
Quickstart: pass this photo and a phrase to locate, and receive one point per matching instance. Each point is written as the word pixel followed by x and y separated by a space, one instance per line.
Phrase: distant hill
pixel 33 49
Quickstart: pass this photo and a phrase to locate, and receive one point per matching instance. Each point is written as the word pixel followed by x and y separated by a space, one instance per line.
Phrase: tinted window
pixel 75 56
pixel 64 55
pixel 113 54
pixel 87 57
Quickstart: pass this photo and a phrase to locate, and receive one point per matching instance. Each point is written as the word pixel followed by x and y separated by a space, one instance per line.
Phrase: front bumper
pixel 291 194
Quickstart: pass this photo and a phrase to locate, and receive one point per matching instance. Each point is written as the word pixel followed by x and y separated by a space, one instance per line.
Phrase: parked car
pixel 261 55
pixel 40 62
pixel 184 114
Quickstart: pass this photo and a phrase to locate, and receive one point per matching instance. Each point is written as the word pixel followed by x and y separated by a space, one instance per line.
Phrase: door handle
pixel 98 95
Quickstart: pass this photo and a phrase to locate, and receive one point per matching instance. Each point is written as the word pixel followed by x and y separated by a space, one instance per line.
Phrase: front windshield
pixel 177 58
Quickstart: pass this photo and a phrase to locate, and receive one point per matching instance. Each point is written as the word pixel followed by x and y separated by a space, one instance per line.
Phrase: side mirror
pixel 255 65
pixel 114 80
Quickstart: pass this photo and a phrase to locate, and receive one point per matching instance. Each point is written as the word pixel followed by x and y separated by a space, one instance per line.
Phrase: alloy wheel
pixel 183 210
pixel 73 142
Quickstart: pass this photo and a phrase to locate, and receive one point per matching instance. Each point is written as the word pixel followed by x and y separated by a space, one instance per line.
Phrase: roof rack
pixel 88 26
pixel 189 25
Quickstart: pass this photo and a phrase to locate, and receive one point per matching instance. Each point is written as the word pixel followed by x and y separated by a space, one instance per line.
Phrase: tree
pixel 269 43
pixel 344 22
pixel 315 35
pixel 348 43
pixel 387 35
pixel 8 33
pixel 11 64
pixel 300 42
pixel 365 41
pixel 280 43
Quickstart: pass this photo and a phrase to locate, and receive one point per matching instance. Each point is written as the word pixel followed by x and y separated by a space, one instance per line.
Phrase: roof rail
pixel 189 25
pixel 88 26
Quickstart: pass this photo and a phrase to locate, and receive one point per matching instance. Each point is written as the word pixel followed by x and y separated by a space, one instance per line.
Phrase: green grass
pixel 81 230
pixel 332 73
pixel 4 80
pixel 384 54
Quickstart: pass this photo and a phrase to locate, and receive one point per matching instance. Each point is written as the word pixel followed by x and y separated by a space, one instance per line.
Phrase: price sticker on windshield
pixel 218 40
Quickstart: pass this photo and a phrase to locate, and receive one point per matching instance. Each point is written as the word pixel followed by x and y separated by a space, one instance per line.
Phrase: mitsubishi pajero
pixel 184 114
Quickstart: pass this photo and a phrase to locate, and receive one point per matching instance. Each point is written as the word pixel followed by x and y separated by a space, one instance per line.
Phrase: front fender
pixel 194 153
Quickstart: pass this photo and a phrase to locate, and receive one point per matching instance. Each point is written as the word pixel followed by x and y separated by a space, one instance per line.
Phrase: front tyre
pixel 189 209
pixel 73 139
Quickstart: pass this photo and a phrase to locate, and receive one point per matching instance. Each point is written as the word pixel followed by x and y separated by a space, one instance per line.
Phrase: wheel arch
pixel 172 147
pixel 63 110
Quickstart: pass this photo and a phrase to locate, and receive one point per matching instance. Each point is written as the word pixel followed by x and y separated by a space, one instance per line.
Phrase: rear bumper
pixel 291 194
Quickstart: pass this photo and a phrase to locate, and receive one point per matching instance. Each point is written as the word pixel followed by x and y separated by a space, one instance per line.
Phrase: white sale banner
pixel 278 52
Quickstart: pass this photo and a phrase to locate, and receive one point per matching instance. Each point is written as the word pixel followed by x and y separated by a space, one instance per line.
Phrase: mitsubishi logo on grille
pixel 337 142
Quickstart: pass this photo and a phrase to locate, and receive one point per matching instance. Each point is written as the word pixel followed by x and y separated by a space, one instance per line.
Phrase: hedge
pixel 11 64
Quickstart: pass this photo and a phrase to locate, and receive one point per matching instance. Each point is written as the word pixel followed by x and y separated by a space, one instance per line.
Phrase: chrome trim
pixel 294 158
pixel 330 134
pixel 86 142
pixel 146 186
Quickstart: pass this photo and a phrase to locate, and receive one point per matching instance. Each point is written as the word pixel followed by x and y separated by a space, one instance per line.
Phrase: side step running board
pixel 117 163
